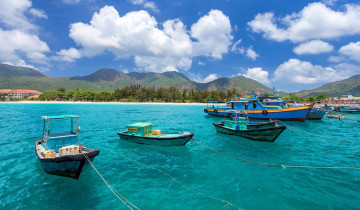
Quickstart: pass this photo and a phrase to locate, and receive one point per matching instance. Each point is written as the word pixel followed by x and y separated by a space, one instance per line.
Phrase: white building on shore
pixel 21 93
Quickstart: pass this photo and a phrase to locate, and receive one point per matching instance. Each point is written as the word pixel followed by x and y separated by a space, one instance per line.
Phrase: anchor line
pixel 174 179
pixel 275 165
pixel 125 201
pixel 24 142
pixel 312 134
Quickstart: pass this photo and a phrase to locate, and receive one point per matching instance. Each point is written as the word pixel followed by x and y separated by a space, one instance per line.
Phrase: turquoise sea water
pixel 24 184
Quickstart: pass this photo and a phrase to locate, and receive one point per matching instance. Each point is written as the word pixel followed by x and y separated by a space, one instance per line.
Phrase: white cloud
pixel 199 79
pixel 71 1
pixel 68 55
pixel 236 48
pixel 303 72
pixel 210 77
pixel 329 2
pixel 21 63
pixel 137 35
pixel 313 47
pixel 38 13
pixel 315 21
pixel 251 53
pixel 12 14
pixel 258 74
pixel 352 50
pixel 201 63
pixel 213 32
pixel 20 42
pixel 146 4
pixel 15 44
pixel 335 59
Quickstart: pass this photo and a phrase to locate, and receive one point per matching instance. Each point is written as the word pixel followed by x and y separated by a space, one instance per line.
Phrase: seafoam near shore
pixel 87 102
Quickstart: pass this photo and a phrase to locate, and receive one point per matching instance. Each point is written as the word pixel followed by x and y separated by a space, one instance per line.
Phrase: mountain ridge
pixel 107 79
pixel 348 86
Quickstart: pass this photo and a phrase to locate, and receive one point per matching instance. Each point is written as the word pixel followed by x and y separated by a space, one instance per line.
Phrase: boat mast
pixel 42 136
pixel 77 130
pixel 47 133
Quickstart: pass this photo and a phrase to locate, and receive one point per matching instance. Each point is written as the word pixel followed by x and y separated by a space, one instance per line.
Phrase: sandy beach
pixel 87 102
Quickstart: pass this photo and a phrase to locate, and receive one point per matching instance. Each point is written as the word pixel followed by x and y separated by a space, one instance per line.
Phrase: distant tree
pixel 321 97
pixel 61 90
pixel 310 99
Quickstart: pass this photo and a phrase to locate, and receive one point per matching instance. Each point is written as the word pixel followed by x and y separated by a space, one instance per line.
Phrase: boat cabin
pixel 64 138
pixel 142 129
pixel 217 105
pixel 256 103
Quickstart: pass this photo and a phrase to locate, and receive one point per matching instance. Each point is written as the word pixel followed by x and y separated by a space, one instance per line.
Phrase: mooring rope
pixel 25 143
pixel 174 179
pixel 275 165
pixel 113 190
pixel 312 134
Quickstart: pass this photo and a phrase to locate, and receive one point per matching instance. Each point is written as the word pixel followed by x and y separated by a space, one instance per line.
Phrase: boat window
pixel 254 104
pixel 246 106
pixel 232 105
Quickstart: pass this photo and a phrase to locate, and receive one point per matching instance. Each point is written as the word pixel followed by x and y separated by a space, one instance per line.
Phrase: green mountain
pixel 109 79
pixel 344 87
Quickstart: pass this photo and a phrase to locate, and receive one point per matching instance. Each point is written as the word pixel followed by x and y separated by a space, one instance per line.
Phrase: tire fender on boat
pixel 205 110
pixel 264 112
pixel 216 111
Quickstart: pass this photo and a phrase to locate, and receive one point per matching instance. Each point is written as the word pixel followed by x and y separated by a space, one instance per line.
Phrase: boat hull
pixel 263 134
pixel 217 112
pixel 68 166
pixel 317 113
pixel 173 141
pixel 285 114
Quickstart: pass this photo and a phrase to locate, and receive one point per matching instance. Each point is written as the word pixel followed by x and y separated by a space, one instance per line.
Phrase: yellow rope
pixel 174 179
pixel 113 190
pixel 271 164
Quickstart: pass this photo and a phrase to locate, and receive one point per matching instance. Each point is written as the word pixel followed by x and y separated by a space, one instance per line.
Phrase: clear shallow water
pixel 24 184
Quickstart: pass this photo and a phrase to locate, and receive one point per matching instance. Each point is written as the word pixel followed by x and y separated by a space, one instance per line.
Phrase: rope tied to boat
pixel 125 201
pixel 25 143
pixel 227 203
pixel 275 165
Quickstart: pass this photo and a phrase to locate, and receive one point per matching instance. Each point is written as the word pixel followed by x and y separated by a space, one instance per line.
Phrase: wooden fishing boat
pixel 142 133
pixel 261 109
pixel 336 116
pixel 60 153
pixel 264 132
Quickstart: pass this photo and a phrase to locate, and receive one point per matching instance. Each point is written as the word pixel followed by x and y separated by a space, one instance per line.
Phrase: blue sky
pixel 292 45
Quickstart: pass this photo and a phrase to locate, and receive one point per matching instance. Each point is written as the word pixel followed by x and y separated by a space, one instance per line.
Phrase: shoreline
pixel 90 102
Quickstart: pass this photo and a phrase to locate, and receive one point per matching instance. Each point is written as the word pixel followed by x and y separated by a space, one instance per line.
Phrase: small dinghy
pixel 60 153
pixel 142 133
pixel 239 126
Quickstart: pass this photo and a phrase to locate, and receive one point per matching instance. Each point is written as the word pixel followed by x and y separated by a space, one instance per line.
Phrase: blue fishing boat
pixel 60 153
pixel 239 126
pixel 142 133
pixel 217 108
pixel 317 113
pixel 260 108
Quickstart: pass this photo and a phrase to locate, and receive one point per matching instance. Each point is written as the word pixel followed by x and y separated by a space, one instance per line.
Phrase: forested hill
pixel 106 79
pixel 344 87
